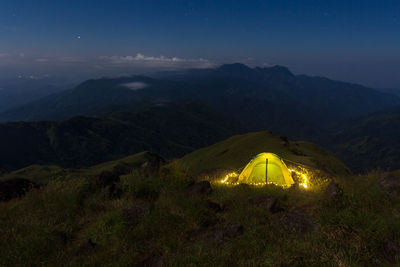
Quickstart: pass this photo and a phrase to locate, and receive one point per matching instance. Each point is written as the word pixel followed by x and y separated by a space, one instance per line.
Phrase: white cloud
pixel 135 85
pixel 152 61
pixel 141 57
pixel 128 62
pixel 94 66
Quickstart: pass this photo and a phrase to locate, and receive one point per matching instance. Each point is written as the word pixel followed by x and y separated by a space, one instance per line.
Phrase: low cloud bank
pixel 155 62
pixel 135 85
pixel 13 65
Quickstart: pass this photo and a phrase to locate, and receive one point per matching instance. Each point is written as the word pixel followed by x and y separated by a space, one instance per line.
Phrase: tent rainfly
pixel 266 168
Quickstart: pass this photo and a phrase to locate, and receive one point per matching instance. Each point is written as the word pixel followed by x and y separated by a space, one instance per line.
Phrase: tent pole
pixel 266 170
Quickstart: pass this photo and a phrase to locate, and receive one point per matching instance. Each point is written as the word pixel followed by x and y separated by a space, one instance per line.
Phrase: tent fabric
pixel 266 168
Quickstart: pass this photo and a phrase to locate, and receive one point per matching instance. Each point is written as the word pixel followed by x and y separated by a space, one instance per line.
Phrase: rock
pixel 210 220
pixel 156 161
pixel 296 151
pixel 122 168
pixel 390 184
pixel 86 247
pixel 294 221
pixel 333 192
pixel 107 178
pixel 16 187
pixel 153 260
pixel 152 165
pixel 296 261
pixel 284 140
pixel 214 206
pixel 265 201
pixel 199 188
pixel 195 234
pixel 133 215
pixel 60 236
pixel 391 251
pixel 226 231
pixel 144 165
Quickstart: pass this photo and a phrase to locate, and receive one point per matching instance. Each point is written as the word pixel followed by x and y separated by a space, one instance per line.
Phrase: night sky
pixel 356 41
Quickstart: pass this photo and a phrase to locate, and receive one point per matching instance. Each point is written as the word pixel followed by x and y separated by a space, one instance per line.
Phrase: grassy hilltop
pixel 151 215
pixel 235 152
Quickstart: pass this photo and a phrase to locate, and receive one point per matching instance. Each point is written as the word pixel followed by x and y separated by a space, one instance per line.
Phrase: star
pixel 79 37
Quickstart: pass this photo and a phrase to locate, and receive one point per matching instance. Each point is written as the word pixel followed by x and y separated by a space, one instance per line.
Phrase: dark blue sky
pixel 356 41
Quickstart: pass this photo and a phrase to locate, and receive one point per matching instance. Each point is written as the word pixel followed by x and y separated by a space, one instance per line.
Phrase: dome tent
pixel 266 168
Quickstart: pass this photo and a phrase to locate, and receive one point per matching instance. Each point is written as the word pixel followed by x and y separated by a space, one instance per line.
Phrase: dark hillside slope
pixel 336 100
pixel 170 130
pixel 372 142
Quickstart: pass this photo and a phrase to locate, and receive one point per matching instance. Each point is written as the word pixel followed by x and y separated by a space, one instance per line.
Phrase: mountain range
pixel 237 90
pixel 241 99
pixel 170 130
pixel 15 92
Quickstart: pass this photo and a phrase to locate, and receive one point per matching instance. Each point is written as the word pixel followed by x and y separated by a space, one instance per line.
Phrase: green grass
pixel 45 173
pixel 38 173
pixel 47 226
pixel 124 165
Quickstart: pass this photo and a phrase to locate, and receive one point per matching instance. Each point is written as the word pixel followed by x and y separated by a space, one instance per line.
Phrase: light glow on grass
pixel 232 175
pixel 303 183
pixel 305 180
pixel 228 176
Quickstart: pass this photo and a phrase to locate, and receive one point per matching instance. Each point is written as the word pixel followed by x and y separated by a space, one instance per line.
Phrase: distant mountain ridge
pixel 90 97
pixel 170 130
pixel 19 91
pixel 301 107
pixel 394 91
pixel 262 98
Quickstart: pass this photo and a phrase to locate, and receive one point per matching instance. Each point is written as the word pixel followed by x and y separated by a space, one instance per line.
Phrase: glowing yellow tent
pixel 266 168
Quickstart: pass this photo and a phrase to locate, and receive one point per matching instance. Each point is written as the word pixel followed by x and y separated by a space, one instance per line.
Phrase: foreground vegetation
pixel 52 225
